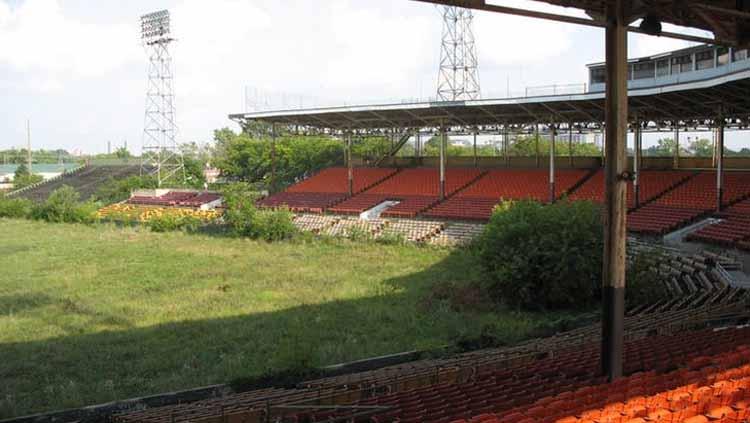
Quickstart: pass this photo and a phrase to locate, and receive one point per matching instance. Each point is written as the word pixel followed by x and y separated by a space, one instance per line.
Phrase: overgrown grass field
pixel 90 314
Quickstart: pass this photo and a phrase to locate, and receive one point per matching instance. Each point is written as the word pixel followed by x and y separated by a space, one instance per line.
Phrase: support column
pixel 506 157
pixel 720 164
pixel 616 112
pixel 475 148
pixel 570 145
pixel 637 162
pixel 536 142
pixel 416 145
pixel 443 141
pixel 273 158
pixel 553 131
pixel 676 163
pixel 350 167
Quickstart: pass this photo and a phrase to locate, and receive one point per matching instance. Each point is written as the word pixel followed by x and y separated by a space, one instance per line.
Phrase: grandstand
pixel 673 377
pixel 669 199
pixel 86 181
pixel 685 358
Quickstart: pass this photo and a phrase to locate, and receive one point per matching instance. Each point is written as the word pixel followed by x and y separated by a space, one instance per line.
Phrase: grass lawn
pixel 90 314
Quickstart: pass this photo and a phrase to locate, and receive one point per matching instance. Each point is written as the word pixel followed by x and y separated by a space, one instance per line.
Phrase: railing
pixel 60 176
pixel 260 100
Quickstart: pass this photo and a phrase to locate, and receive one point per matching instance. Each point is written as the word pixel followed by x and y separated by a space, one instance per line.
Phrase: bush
pixel 171 222
pixel 246 220
pixel 544 257
pixel 15 208
pixel 63 205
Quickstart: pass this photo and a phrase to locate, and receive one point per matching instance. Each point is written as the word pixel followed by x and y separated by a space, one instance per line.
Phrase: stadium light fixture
pixel 155 27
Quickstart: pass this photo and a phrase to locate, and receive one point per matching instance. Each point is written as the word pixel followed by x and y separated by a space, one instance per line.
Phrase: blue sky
pixel 76 68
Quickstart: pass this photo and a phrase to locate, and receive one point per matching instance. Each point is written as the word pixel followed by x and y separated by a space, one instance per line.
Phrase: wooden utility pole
pixel 616 112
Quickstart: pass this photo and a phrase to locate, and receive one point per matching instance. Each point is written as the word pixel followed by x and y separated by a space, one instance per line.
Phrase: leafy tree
pixel 701 148
pixel 23 178
pixel 116 190
pixel 248 159
pixel 122 153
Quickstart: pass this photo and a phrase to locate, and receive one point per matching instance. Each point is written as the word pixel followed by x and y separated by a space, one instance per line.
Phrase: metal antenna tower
pixel 458 78
pixel 161 155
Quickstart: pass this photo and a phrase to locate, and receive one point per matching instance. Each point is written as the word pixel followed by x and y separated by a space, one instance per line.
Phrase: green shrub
pixel 544 257
pixel 15 208
pixel 246 220
pixel 170 223
pixel 274 225
pixel 63 205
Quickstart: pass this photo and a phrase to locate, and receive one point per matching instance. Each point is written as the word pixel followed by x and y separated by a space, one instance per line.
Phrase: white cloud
pixel 37 37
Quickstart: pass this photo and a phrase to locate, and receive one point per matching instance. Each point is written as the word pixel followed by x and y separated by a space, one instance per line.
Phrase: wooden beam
pixel 480 5
pixel 616 112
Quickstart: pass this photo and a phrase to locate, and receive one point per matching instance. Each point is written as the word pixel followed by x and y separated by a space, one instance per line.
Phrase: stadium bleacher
pixel 325 189
pixel 732 231
pixel 669 199
pixel 652 184
pixel 687 202
pixel 175 199
pixel 85 181
pixel 477 200
pixel 416 190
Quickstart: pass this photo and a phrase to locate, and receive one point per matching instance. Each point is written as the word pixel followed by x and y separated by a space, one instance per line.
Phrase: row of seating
pixel 408 229
pixel 732 231
pixel 176 198
pixel 556 386
pixel 336 180
pixel 303 202
pixel 694 199
pixel 549 366
pixel 652 184
pixel 712 388
pixel 477 201
pixel 415 190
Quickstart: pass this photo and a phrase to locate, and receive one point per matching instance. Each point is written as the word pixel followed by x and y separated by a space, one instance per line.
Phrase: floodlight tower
pixel 458 77
pixel 161 155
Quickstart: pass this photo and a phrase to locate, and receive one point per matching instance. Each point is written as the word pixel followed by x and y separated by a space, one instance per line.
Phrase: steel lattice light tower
pixel 161 155
pixel 458 78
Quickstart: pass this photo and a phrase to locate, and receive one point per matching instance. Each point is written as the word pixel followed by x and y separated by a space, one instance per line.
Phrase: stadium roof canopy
pixel 692 101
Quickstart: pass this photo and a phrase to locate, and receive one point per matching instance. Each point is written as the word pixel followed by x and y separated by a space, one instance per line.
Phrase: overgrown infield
pixel 90 314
